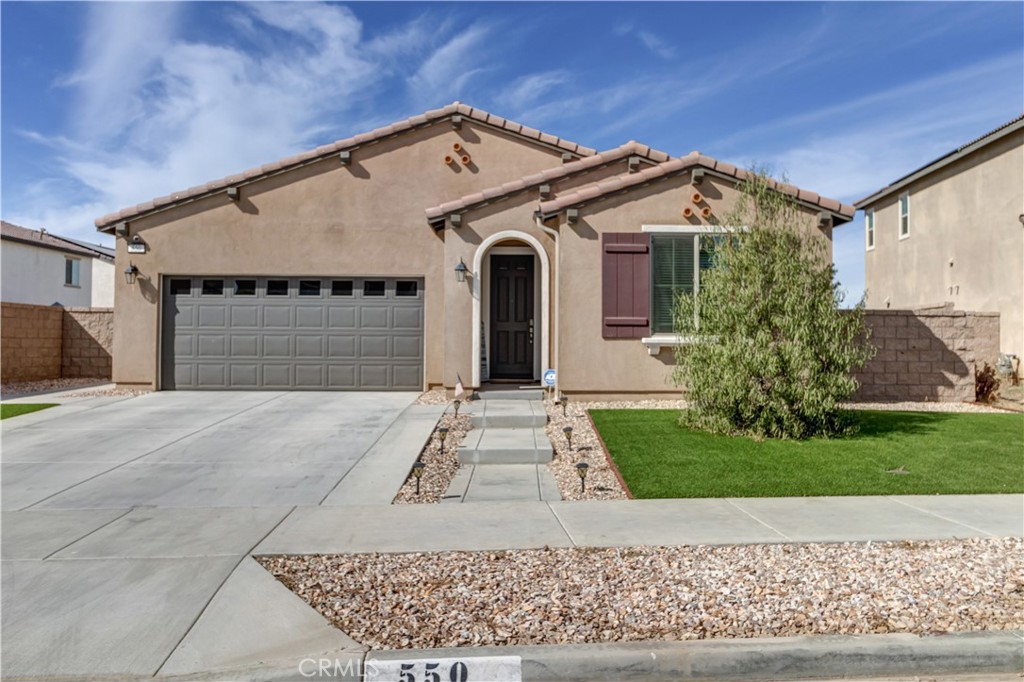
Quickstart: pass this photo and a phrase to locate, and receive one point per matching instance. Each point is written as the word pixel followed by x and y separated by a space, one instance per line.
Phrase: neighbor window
pixel 72 272
pixel 676 263
pixel 904 215
pixel 869 227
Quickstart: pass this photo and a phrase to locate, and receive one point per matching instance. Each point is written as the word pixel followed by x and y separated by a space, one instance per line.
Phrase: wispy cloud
pixel 658 46
pixel 525 91
pixel 445 73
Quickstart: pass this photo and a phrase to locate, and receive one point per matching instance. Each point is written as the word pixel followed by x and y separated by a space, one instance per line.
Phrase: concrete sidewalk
pixel 527 525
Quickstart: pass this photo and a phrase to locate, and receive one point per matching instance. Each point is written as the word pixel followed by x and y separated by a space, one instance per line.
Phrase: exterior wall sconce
pixel 131 273
pixel 581 471
pixel 233 194
pixel 345 157
pixel 698 176
pixel 572 215
pixel 460 271
pixel 455 220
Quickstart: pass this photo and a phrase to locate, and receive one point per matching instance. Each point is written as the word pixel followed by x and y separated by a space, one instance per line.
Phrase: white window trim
pixel 869 229
pixel 899 214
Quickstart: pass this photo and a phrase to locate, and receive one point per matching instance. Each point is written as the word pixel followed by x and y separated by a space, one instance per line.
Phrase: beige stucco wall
pixel 588 365
pixel 966 244
pixel 325 219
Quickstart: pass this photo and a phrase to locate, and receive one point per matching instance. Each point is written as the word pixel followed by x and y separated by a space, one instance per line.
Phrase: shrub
pixel 986 385
pixel 773 353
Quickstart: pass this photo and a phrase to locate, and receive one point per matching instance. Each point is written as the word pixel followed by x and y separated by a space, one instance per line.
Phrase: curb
pixel 782 658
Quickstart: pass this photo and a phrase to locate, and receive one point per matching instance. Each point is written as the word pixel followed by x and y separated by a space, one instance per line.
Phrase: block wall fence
pixel 927 354
pixel 50 342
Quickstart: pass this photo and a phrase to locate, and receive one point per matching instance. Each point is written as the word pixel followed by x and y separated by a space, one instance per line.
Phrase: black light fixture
pixel 417 473
pixel 565 404
pixel 568 436
pixel 442 433
pixel 130 274
pixel 458 404
pixel 460 271
pixel 581 471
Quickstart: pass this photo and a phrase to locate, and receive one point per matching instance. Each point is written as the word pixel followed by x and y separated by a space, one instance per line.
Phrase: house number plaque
pixel 468 669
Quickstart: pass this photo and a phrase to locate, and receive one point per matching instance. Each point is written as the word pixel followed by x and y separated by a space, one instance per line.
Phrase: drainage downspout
pixel 558 275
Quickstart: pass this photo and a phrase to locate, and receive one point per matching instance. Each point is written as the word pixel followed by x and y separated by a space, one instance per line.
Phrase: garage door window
pixel 181 287
pixel 245 287
pixel 406 288
pixel 341 287
pixel 277 287
pixel 213 287
pixel 373 287
pixel 309 287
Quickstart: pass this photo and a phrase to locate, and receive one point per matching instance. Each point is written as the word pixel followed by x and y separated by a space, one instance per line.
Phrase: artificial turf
pixel 893 453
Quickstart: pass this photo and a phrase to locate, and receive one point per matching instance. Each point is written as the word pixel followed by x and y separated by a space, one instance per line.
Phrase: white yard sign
pixel 467 669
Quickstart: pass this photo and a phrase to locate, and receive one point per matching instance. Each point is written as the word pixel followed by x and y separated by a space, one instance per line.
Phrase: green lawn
pixel 942 453
pixel 15 409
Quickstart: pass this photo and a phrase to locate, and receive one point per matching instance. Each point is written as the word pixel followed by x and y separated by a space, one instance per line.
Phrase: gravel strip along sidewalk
pixel 440 468
pixel 25 388
pixel 581 595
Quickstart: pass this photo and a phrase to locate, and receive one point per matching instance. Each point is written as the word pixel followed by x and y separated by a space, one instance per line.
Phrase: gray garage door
pixel 292 333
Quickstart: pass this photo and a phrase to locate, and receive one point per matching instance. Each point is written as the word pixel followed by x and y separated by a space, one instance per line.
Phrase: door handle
pixel 531 330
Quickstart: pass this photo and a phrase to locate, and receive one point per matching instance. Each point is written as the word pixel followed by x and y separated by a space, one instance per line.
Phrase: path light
pixel 581 470
pixel 417 473
pixel 565 404
pixel 458 404
pixel 442 433
pixel 568 436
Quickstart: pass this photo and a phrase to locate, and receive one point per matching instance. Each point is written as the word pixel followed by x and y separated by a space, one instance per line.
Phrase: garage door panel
pixel 277 346
pixel 212 316
pixel 307 346
pixel 245 316
pixel 292 333
pixel 277 317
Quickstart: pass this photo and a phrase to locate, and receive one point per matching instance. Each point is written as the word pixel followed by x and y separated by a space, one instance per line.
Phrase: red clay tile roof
pixel 631 148
pixel 45 240
pixel 674 166
pixel 456 108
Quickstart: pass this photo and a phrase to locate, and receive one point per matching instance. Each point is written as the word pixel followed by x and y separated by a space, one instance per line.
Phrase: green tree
pixel 770 352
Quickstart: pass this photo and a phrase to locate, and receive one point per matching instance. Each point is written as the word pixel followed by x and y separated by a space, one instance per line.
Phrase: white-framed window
pixel 869 228
pixel 678 255
pixel 904 215
pixel 72 272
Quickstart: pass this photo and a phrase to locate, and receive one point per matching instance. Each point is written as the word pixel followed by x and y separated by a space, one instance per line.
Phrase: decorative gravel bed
pixel 17 388
pixel 440 468
pixel 581 595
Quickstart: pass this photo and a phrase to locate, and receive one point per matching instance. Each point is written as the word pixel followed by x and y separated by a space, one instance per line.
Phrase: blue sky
pixel 105 105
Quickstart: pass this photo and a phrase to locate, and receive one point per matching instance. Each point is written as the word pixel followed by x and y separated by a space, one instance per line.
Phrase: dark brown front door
pixel 512 322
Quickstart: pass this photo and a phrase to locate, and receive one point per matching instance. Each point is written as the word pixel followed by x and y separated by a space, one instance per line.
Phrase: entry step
pixel 490 413
pixel 506 446
pixel 512 394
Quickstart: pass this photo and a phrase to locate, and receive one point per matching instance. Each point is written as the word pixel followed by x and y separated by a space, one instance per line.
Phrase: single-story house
pixel 951 232
pixel 42 268
pixel 454 244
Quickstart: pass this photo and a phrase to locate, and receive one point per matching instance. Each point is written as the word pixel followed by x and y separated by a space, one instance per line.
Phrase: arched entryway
pixel 497 265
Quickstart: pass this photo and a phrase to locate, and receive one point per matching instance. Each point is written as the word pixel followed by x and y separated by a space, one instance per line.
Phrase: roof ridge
pixel 674 165
pixel 326 150
pixel 535 179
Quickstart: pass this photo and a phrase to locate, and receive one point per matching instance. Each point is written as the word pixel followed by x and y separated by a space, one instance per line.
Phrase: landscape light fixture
pixel 460 271
pixel 565 404
pixel 417 473
pixel 568 436
pixel 442 433
pixel 130 274
pixel 581 471
pixel 458 404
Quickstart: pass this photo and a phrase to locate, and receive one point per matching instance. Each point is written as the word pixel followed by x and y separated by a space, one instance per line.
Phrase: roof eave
pixel 937 164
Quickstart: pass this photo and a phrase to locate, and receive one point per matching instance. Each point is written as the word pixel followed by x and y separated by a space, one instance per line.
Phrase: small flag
pixel 459 389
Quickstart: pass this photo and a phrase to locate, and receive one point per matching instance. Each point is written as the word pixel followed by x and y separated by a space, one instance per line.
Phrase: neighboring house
pixel 41 268
pixel 953 231
pixel 454 243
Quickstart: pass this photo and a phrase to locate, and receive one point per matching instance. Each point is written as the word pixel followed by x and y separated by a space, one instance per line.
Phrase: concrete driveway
pixel 128 523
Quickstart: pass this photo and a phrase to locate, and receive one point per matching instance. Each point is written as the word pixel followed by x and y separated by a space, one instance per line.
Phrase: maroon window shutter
pixel 625 285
